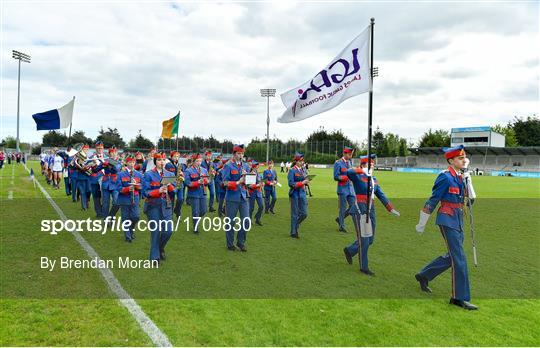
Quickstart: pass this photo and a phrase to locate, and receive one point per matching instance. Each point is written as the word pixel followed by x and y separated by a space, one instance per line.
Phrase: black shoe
pixel 342 230
pixel 348 256
pixel 368 272
pixel 162 255
pixel 272 211
pixel 128 240
pixel 232 248
pixel 295 236
pixel 463 304
pixel 211 209
pixel 242 248
pixel 258 223
pixel 337 220
pixel 220 214
pixel 423 283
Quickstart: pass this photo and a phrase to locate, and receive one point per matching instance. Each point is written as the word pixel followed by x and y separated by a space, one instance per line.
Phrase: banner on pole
pixel 346 76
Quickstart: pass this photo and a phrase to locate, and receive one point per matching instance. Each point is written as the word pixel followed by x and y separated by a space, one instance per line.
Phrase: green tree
pixel 10 142
pixel 79 137
pixel 110 137
pixel 140 142
pixel 439 138
pixel 509 134
pixel 377 142
pixel 527 130
pixel 54 138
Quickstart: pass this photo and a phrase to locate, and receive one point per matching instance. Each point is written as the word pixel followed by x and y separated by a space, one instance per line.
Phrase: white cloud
pixel 131 65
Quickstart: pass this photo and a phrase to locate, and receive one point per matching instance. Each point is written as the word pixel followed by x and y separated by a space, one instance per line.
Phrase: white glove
pixel 424 217
pixel 395 212
pixel 467 162
pixel 467 175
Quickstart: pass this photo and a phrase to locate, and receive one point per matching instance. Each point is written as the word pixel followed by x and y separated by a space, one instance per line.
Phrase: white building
pixel 476 136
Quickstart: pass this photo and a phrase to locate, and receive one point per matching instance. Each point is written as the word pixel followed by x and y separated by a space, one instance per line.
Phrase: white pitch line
pixel 148 326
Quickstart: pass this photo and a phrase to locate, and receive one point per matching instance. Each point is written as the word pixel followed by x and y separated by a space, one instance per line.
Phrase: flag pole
pixel 370 122
pixel 177 130
pixel 71 123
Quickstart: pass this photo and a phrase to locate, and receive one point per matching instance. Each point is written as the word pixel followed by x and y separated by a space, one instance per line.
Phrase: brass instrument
pixel 167 197
pixel 132 186
pixel 179 176
pixel 81 159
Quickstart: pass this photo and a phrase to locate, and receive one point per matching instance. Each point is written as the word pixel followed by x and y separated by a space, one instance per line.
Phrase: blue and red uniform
pixel 297 197
pixel 269 177
pixel 109 187
pixel 129 210
pixel 158 207
pixel 345 189
pixel 255 195
pixel 196 194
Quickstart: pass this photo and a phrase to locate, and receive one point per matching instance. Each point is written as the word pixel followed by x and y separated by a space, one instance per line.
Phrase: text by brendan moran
pixel 65 262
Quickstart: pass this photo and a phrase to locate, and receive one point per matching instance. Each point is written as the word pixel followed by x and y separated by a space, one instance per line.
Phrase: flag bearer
pixel 449 190
pixel 255 194
pixel 270 182
pixel 196 179
pixel 129 194
pixel 298 181
pixel 360 178
pixel 158 206
pixel 236 199
pixel 345 189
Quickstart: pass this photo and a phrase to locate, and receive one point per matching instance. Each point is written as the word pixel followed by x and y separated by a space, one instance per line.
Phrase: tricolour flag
pixel 170 127
pixel 55 119
pixel 347 75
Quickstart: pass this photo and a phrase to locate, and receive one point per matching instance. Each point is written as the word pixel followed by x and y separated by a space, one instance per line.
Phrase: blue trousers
pixel 107 194
pixel 455 259
pixel 132 213
pixel 67 185
pixel 160 236
pixel 221 201
pixel 74 189
pixel 232 209
pixel 269 198
pixel 198 209
pixel 179 201
pixel 298 212
pixel 345 202
pixel 84 187
pixel 365 242
pixel 252 199
pixel 96 197
pixel 211 191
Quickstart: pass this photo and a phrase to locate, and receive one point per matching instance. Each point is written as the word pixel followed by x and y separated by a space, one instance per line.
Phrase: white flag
pixel 346 76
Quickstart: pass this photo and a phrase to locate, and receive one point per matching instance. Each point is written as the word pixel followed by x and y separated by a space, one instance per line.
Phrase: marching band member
pixel 236 200
pixel 449 190
pixel 196 179
pixel 297 180
pixel 110 183
pixel 157 206
pixel 72 172
pixel 270 182
pixel 83 182
pixel 148 164
pixel 65 171
pixel 210 167
pixel 220 189
pixel 139 161
pixel 129 196
pixel 255 194
pixel 359 178
pixel 97 174
pixel 174 167
pixel 345 189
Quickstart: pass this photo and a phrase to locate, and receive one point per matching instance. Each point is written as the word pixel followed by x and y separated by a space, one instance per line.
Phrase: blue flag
pixel 55 119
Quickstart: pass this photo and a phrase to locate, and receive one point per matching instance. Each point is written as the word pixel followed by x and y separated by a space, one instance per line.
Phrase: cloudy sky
pixel 132 65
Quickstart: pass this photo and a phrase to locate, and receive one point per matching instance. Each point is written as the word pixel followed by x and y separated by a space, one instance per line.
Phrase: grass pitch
pixel 283 291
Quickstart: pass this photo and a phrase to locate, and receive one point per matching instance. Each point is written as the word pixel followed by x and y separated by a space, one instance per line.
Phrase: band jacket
pixel 256 190
pixel 295 178
pixel 344 186
pixel 110 175
pixel 97 171
pixel 174 168
pixel 449 190
pixel 192 177
pixel 231 173
pixel 150 187
pixel 207 165
pixel 124 193
pixel 269 175
pixel 360 181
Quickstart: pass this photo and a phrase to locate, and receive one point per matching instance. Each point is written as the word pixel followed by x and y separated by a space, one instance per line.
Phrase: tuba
pixel 81 157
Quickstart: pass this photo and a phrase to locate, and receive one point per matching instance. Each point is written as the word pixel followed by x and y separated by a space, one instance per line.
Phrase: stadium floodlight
pixel 21 57
pixel 268 92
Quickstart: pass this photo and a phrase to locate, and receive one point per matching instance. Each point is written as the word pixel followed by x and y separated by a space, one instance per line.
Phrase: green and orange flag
pixel 170 127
